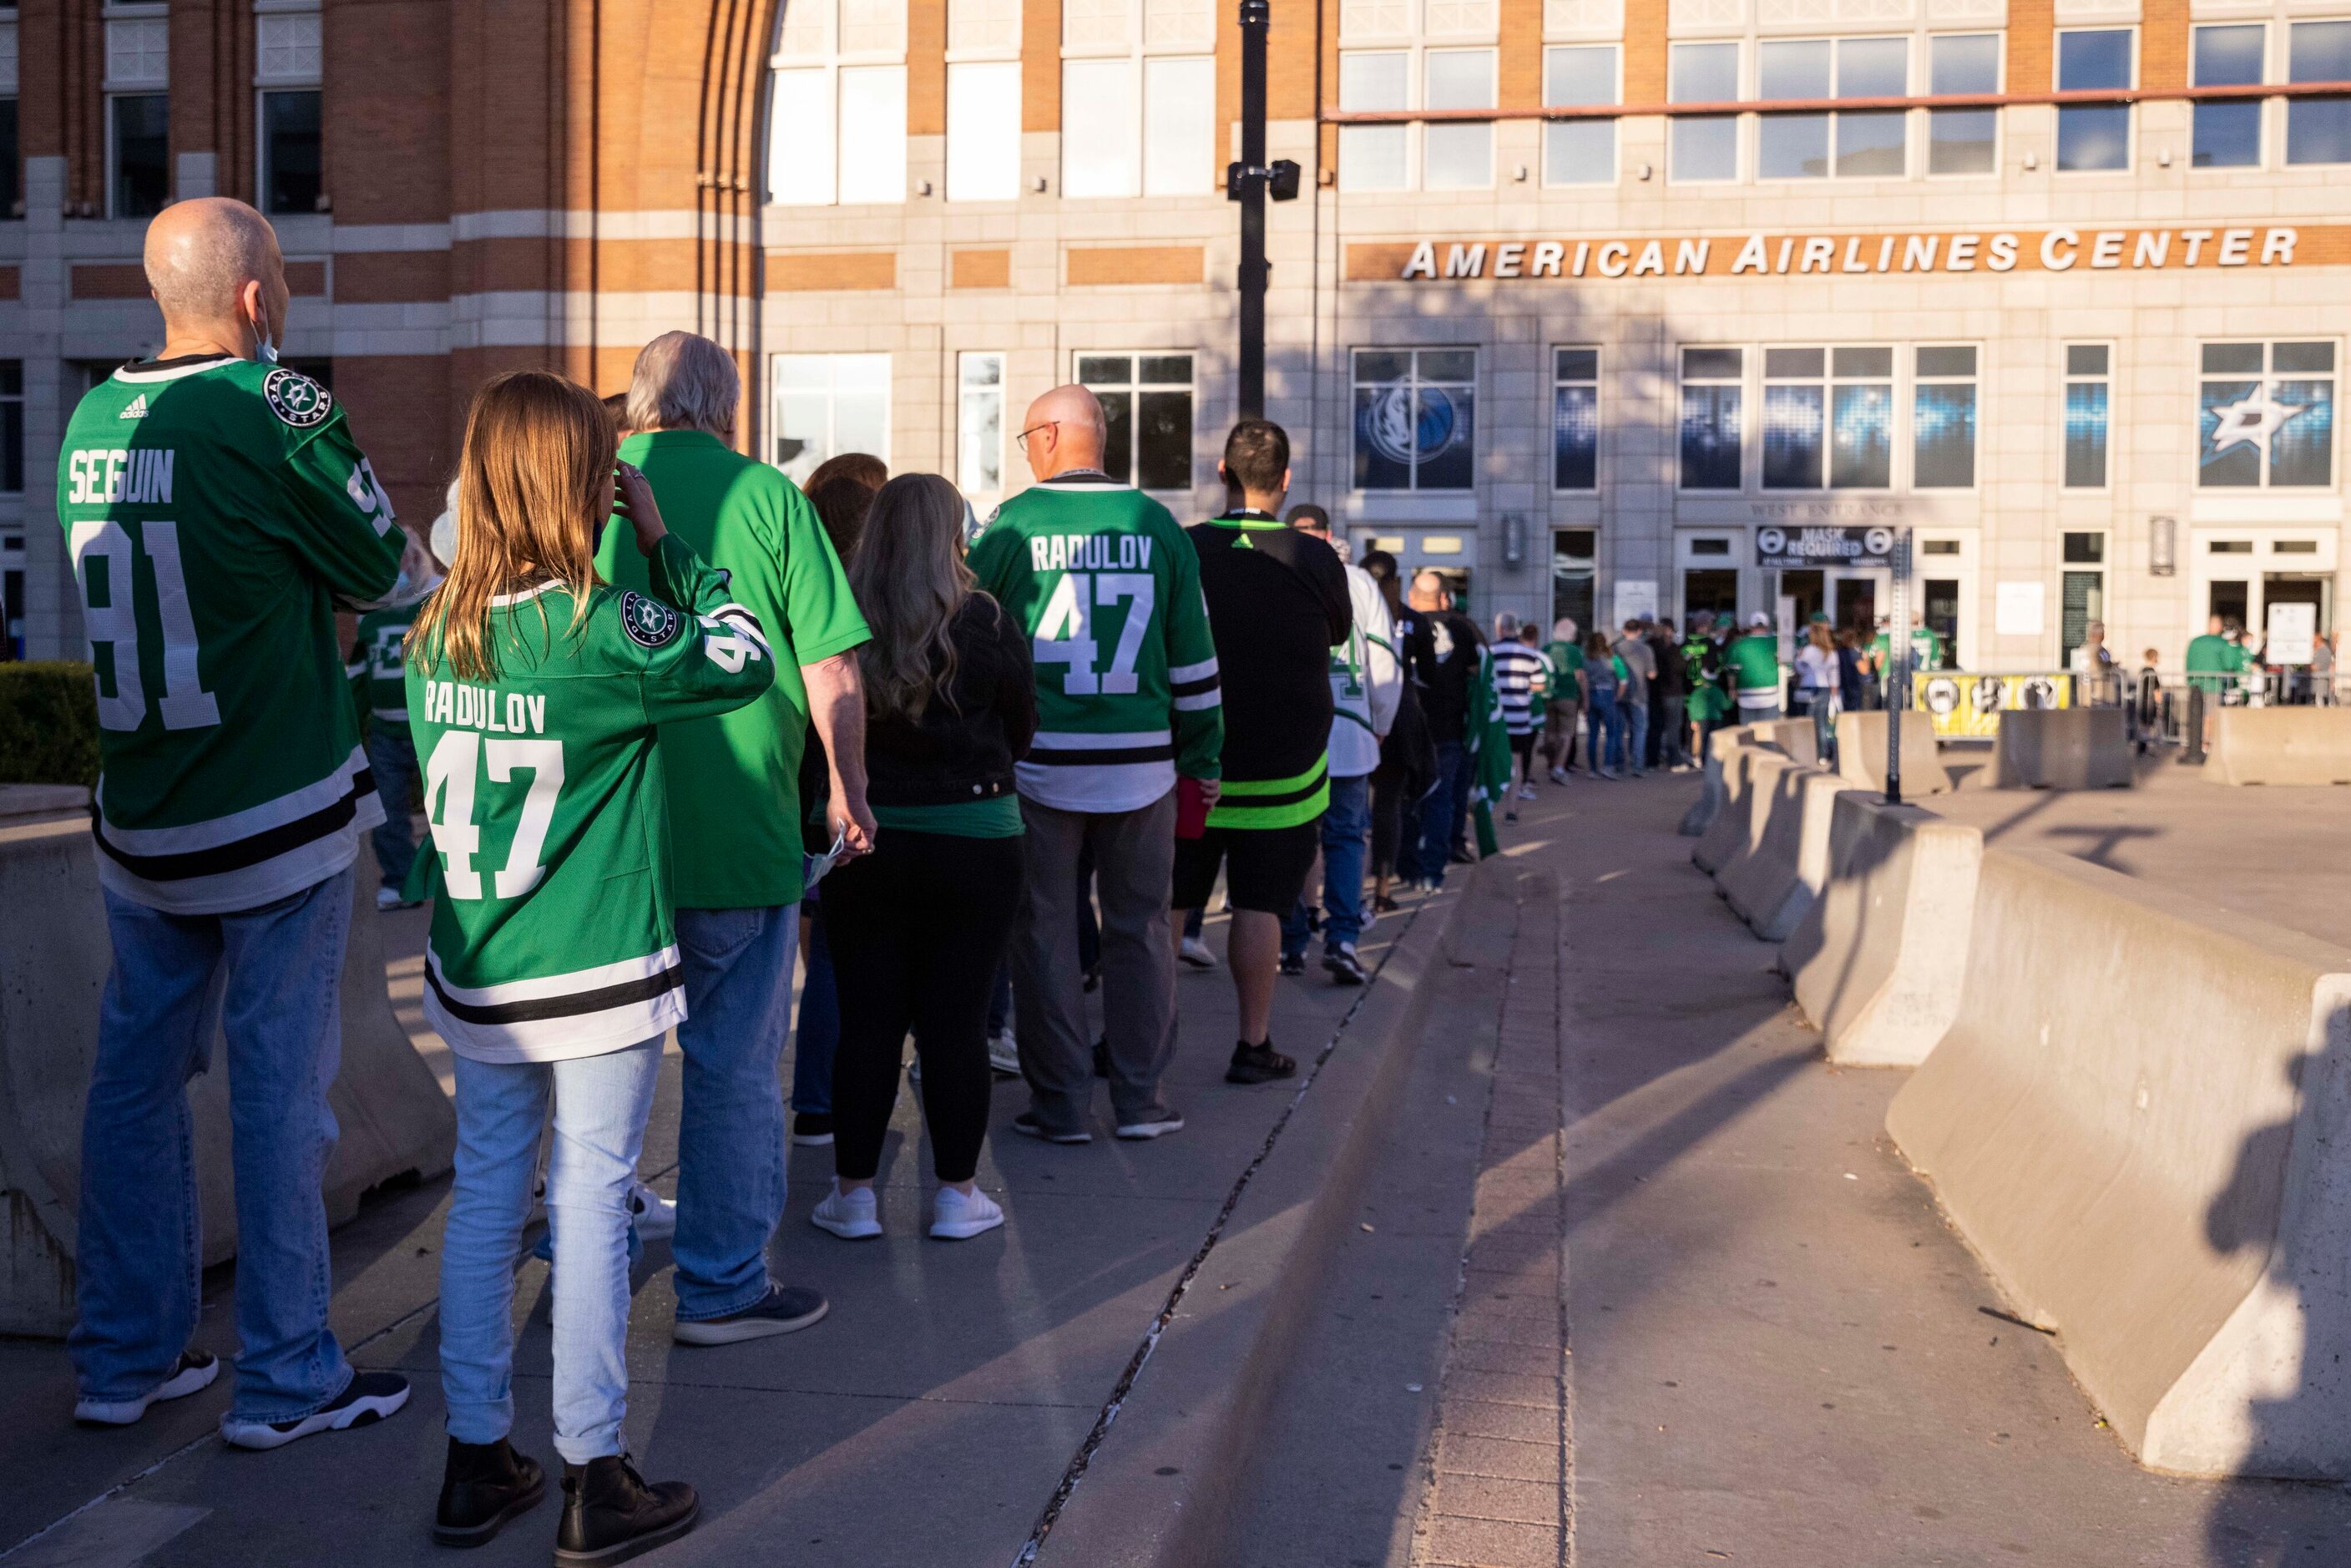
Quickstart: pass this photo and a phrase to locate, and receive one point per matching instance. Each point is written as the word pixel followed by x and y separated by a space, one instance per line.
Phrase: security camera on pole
pixel 1249 181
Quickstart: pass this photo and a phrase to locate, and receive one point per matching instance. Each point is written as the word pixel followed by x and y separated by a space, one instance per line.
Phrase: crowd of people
pixel 681 729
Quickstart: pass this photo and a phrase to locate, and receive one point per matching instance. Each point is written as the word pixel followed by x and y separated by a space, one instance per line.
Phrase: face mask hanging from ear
pixel 265 347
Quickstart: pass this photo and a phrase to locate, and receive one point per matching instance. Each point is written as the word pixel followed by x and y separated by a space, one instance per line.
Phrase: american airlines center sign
pixel 1761 254
pixel 1785 548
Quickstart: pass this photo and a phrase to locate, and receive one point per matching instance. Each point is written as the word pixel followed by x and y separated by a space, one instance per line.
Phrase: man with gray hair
pixel 735 823
pixel 233 791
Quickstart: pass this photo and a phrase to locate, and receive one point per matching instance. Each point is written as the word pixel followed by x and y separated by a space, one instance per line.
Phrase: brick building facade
pixel 1599 304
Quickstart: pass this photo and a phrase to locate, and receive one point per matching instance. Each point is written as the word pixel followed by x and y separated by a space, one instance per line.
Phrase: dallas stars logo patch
pixel 297 399
pixel 649 622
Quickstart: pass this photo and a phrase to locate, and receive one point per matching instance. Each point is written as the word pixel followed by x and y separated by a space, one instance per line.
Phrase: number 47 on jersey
pixel 1065 636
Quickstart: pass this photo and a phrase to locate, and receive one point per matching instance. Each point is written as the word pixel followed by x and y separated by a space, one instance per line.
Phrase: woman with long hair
pixel 919 926
pixel 536 693
pixel 1407 758
pixel 1817 684
pixel 1604 716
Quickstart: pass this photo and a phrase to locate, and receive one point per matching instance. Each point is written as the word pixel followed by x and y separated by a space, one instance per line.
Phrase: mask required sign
pixel 1804 546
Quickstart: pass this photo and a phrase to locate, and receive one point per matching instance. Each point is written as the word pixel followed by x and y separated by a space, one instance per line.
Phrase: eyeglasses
pixel 1021 440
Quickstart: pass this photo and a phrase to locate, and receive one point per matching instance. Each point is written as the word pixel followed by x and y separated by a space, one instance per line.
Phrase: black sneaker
pixel 368 1398
pixel 192 1374
pixel 785 1309
pixel 610 1515
pixel 1293 964
pixel 1344 966
pixel 483 1485
pixel 811 1130
pixel 1258 1064
pixel 1157 1123
pixel 1028 1125
pixel 1102 1057
pixel 1383 904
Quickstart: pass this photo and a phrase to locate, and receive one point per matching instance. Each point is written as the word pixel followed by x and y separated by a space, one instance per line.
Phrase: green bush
pixel 48 724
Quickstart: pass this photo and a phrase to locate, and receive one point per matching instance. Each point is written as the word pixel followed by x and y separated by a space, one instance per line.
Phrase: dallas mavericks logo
pixel 1387 425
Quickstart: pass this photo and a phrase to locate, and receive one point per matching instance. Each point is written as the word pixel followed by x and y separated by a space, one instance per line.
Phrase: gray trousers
pixel 1134 865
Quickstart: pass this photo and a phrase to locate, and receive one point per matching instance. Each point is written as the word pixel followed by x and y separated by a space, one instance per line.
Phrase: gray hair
pixel 1507 624
pixel 685 381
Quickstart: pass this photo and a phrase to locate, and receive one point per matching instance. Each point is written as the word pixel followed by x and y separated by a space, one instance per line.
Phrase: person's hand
pixel 632 501
pixel 1209 790
pixel 855 826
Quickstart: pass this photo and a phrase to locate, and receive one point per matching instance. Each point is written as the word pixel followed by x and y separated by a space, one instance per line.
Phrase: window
pixel 1704 146
pixel 1374 157
pixel 1828 409
pixel 1416 423
pixel 2083 594
pixel 11 427
pixel 984 130
pixel 1140 77
pixel 2088 367
pixel 2318 129
pixel 2228 132
pixel 1711 435
pixel 138 115
pixel 837 103
pixel 1148 405
pixel 1579 151
pixel 1573 567
pixel 1853 145
pixel 1943 420
pixel 2094 136
pixel 2267 415
pixel 827 404
pixel 1962 141
pixel 12 190
pixel 287 59
pixel 1575 419
pixel 979 423
pixel 1458 155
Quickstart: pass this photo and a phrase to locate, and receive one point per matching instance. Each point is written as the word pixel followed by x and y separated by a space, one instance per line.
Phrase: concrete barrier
pixel 1774 887
pixel 1879 958
pixel 2137 1121
pixel 2062 749
pixel 1702 810
pixel 1796 737
pixel 2282 746
pixel 1861 752
pixel 1729 835
pixel 54 958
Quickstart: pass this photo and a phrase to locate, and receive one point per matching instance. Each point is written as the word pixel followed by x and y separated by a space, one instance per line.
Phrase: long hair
pixel 534 489
pixel 842 490
pixel 910 579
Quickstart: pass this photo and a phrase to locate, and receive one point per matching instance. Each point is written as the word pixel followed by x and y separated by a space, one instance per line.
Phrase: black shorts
pixel 1265 868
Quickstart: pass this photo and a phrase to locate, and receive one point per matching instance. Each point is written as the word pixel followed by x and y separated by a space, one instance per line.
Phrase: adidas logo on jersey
pixel 138 409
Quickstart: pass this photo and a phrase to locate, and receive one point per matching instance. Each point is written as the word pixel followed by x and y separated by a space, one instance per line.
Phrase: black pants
pixel 917 930
pixel 1387 821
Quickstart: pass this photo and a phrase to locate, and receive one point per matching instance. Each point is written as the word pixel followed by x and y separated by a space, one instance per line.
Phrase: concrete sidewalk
pixel 928 1420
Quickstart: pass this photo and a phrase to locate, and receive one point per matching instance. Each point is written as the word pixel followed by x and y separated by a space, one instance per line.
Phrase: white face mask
pixel 265 347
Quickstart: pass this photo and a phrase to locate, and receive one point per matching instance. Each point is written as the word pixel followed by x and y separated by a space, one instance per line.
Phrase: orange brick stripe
pixel 10 282
pixel 1607 258
pixel 979 269
pixel 1093 266
pixel 793 272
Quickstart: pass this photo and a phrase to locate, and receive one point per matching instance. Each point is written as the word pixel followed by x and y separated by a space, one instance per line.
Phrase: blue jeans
pixel 1603 732
pixel 275 973
pixel 1443 810
pixel 1634 717
pixel 819 1029
pixel 601 1103
pixel 392 758
pixel 730 1124
pixel 1345 822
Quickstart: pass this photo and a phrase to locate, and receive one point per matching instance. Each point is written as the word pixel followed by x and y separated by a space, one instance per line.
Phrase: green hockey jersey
pixel 1127 693
pixel 377 669
pixel 552 931
pixel 217 509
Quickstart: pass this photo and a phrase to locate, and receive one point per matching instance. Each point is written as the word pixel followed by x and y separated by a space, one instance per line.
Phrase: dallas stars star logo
pixel 2250 421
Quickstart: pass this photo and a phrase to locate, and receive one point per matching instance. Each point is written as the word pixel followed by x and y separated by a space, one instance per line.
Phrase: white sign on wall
pixel 2019 609
pixel 1636 599
pixel 2292 628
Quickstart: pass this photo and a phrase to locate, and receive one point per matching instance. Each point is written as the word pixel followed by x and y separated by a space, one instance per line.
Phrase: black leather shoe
pixel 482 1486
pixel 610 1515
pixel 1259 1063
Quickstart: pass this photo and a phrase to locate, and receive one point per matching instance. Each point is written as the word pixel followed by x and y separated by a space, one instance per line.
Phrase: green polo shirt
pixel 1566 663
pixel 2214 656
pixel 734 780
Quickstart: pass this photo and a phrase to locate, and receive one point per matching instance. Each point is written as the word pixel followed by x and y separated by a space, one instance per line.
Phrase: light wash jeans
pixel 1634 716
pixel 392 758
pixel 275 975
pixel 730 1126
pixel 601 1104
pixel 1346 823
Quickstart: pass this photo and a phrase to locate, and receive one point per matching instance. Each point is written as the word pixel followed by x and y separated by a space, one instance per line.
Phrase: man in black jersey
pixel 1278 603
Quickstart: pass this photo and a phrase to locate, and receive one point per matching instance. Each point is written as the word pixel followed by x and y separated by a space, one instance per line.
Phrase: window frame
pixel 1833 153
pixel 1415 50
pixel 1909 354
pixel 2281 69
pixel 1616 97
pixel 1559 381
pixel 830 63
pixel 966 480
pixel 2267 377
pixel 1416 380
pixel 1742 161
pixel 2067 381
pixel 1926 165
pixel 1135 387
pixel 1138 52
pixel 777 391
pixel 1749 364
pixel 2130 108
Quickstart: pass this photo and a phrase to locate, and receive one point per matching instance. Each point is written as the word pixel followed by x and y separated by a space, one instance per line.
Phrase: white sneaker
pixel 1195 952
pixel 955 1217
pixel 1004 1054
pixel 1527 790
pixel 852 1215
pixel 1559 775
pixel 192 1374
pixel 656 1216
pixel 388 898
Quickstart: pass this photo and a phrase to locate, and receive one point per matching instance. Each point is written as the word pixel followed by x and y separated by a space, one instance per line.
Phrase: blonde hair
pixel 535 488
pixel 910 579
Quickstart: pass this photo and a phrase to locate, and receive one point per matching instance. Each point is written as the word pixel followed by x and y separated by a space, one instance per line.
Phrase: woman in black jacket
pixel 919 926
